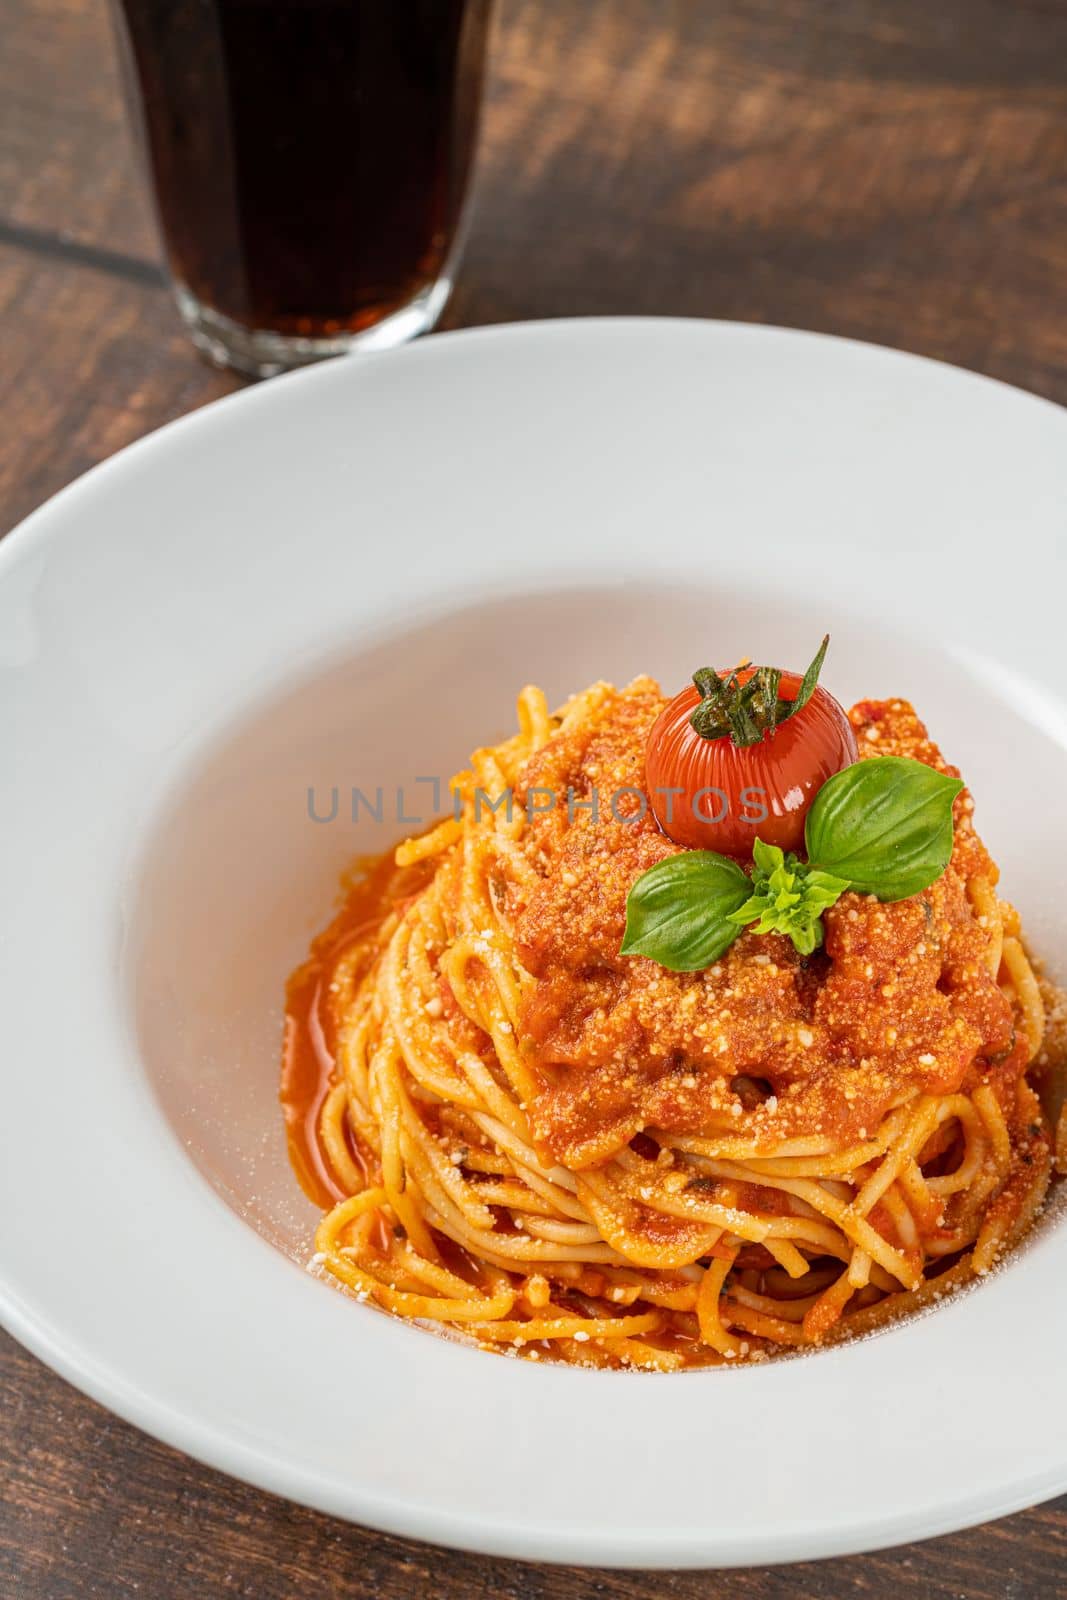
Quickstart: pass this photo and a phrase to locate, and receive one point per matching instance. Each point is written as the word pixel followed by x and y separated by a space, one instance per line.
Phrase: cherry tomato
pixel 732 794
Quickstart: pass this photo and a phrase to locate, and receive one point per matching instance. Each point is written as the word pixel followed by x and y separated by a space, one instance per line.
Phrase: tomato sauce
pixel 900 1000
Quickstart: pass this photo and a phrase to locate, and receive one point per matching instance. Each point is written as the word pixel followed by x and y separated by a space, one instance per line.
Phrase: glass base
pixel 259 353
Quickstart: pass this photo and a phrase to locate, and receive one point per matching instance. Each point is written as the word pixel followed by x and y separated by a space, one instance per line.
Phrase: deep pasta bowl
pixel 335 584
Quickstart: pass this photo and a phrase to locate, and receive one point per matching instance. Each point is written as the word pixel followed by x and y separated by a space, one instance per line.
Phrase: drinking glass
pixel 309 162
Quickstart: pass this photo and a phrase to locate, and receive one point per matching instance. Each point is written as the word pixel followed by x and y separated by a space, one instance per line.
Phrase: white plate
pixel 343 577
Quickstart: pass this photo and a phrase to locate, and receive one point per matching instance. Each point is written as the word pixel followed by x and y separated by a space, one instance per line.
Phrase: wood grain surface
pixel 894 170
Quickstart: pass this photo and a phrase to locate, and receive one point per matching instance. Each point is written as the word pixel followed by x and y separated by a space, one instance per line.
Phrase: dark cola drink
pixel 309 161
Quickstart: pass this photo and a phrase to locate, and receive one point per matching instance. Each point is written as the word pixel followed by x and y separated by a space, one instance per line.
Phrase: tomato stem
pixel 748 711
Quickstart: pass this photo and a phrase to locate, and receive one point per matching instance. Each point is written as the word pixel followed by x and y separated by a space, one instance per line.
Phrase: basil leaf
pixel 677 912
pixel 767 858
pixel 885 825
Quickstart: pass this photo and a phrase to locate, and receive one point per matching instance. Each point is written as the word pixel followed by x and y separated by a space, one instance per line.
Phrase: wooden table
pixel 895 170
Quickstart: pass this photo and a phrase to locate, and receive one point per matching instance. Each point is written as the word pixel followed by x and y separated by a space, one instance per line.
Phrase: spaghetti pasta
pixel 521 1136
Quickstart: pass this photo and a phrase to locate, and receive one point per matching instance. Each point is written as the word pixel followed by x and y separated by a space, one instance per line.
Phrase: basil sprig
pixel 881 827
pixel 788 896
